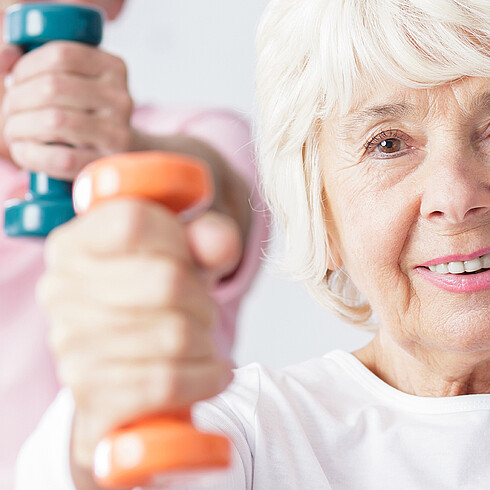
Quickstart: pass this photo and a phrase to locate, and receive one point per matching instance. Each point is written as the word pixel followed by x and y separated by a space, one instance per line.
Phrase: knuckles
pixel 123 104
pixel 66 160
pixel 126 221
pixel 60 53
pixel 179 341
pixel 166 383
pixel 119 67
pixel 50 85
pixel 168 387
pixel 169 281
pixel 50 288
pixel 55 118
pixel 132 225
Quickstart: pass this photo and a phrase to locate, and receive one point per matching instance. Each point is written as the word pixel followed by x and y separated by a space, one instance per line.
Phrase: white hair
pixel 315 58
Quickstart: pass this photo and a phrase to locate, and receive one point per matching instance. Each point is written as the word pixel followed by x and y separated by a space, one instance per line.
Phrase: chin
pixel 465 331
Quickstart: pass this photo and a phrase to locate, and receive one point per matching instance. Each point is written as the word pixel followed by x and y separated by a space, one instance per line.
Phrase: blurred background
pixel 201 53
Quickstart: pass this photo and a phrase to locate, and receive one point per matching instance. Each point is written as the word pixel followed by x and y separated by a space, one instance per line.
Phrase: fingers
pixel 158 384
pixel 127 336
pixel 69 91
pixel 125 254
pixel 70 94
pixel 119 227
pixel 73 58
pixel 58 161
pixel 132 319
pixel 61 125
pixel 216 243
pixel 100 410
pixel 134 283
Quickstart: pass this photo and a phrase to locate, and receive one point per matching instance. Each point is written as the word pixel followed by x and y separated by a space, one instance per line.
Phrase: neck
pixel 426 371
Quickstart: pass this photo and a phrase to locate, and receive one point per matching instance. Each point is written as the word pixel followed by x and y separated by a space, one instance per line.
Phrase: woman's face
pixel 407 178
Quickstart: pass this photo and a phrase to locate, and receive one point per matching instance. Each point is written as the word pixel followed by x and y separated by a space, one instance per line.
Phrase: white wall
pixel 185 52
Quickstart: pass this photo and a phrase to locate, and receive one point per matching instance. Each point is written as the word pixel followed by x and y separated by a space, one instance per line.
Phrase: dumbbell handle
pixel 154 449
pixel 30 25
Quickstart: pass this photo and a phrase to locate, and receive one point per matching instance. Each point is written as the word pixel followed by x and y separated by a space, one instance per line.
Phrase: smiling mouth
pixel 474 266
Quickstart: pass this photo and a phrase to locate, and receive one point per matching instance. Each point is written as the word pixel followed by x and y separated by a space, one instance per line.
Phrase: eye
pixel 392 142
pixel 391 145
pixel 487 132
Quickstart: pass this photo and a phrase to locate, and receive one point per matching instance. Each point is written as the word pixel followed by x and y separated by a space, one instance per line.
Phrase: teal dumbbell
pixel 48 203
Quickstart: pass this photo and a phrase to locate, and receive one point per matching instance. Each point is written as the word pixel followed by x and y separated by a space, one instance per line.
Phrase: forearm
pixel 231 191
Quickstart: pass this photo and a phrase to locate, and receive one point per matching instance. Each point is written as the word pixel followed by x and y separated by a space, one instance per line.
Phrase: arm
pixel 227 133
pixel 232 192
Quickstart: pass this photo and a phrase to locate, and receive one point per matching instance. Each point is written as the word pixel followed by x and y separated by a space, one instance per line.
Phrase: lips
pixel 457 283
pixel 457 258
pixel 459 273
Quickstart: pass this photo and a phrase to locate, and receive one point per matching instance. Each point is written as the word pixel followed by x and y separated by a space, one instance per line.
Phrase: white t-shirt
pixel 328 423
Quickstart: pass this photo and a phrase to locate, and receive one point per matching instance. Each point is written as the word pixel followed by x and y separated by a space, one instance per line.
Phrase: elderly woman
pixel 374 143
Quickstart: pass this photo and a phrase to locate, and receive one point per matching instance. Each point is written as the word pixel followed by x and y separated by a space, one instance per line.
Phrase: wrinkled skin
pixel 420 192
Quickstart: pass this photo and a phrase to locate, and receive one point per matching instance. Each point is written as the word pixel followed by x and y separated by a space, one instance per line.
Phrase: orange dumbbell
pixel 165 448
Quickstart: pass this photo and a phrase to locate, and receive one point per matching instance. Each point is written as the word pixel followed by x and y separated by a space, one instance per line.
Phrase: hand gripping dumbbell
pixel 164 449
pixel 48 202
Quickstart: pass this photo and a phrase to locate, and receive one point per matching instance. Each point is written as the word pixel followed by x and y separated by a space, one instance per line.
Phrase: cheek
pixel 375 229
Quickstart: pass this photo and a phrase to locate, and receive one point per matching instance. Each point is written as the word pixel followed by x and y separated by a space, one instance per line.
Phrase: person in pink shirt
pixel 50 98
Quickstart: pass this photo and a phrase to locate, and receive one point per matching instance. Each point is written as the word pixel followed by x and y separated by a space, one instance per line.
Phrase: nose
pixel 457 187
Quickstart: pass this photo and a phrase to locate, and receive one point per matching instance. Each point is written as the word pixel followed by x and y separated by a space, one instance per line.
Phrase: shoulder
pixel 258 390
pixel 265 411
pixel 324 383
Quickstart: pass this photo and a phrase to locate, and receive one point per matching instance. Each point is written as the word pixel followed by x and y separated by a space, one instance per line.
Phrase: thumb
pixel 216 245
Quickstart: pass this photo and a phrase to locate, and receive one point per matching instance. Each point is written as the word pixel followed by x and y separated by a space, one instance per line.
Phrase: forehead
pixel 465 96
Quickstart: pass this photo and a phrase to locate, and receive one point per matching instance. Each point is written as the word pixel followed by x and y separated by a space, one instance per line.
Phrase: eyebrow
pixel 371 114
pixel 479 102
pixel 360 119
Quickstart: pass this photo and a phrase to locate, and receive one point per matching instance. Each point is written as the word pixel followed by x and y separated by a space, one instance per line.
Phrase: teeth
pixel 459 267
pixel 441 268
pixel 456 267
pixel 473 265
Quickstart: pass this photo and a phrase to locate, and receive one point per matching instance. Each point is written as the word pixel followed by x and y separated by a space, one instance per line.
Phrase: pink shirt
pixel 27 377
